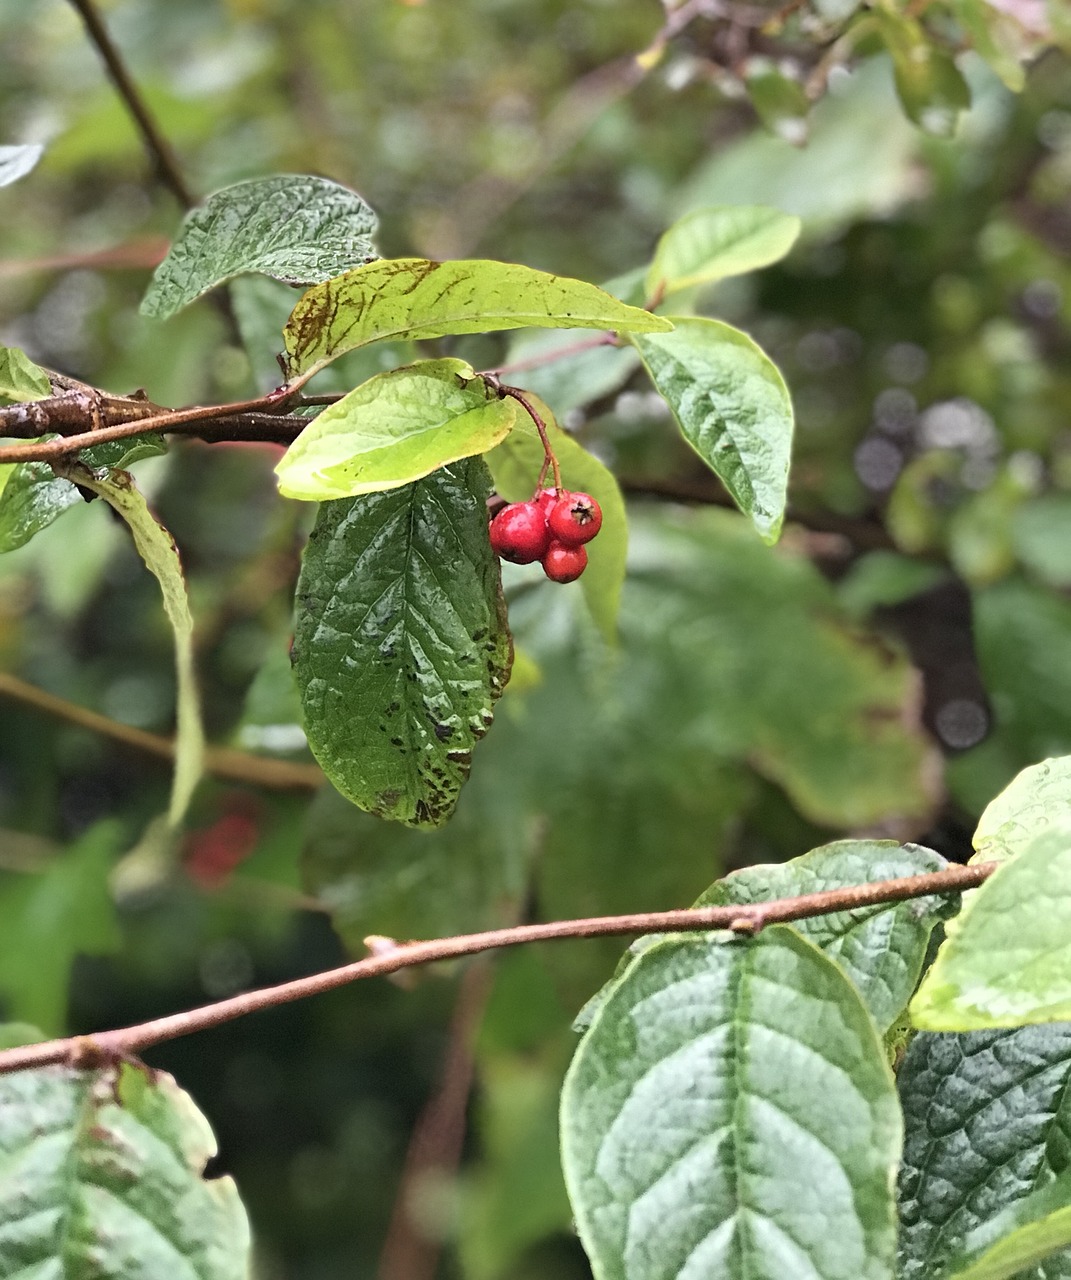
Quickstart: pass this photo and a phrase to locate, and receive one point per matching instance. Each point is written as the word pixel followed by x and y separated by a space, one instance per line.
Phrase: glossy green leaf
pixel 881 949
pixel 31 497
pixel 733 408
pixel 1022 1235
pixel 69 904
pixel 710 244
pixel 986 1116
pixel 393 429
pixel 1007 958
pixel 296 228
pixel 730 1113
pixel 16 162
pixel 160 555
pixel 415 298
pixel 1036 800
pixel 20 378
pixel 515 466
pixel 931 87
pixel 401 646
pixel 101 1174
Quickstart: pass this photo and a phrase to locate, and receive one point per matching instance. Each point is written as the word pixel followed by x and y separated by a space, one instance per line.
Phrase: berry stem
pixel 541 427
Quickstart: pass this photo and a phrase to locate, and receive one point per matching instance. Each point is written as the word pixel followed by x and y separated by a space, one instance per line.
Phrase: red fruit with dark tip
pixel 574 519
pixel 519 533
pixel 563 563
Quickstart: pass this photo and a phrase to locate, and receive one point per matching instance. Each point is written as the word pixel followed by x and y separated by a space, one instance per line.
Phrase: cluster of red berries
pixel 551 528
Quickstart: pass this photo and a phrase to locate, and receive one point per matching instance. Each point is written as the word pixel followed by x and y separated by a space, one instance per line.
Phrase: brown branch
pixel 435 1146
pixel 220 762
pixel 160 152
pixel 42 415
pixel 560 353
pixel 108 1046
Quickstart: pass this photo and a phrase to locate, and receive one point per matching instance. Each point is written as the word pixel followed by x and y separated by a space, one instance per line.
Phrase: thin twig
pixel 220 762
pixel 560 353
pixel 109 1046
pixel 168 420
pixel 409 1253
pixel 160 152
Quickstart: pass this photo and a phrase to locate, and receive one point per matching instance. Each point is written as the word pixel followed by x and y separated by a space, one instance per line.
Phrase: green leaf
pixel 1025 1233
pixel 1007 958
pixel 69 905
pixel 986 1116
pixel 931 87
pixel 515 466
pixel 16 162
pixel 882 948
pixel 733 408
pixel 710 244
pixel 730 1113
pixel 102 1175
pixel 393 429
pixel 20 378
pixel 1036 800
pixel 31 497
pixel 415 298
pixel 296 228
pixel 160 555
pixel 401 646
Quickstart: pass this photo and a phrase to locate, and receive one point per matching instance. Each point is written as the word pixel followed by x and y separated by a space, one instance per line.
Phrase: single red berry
pixel 575 518
pixel 519 533
pixel 546 498
pixel 563 563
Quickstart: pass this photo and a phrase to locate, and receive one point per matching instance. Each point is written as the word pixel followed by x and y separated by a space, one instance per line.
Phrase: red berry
pixel 546 498
pixel 574 519
pixel 519 533
pixel 563 563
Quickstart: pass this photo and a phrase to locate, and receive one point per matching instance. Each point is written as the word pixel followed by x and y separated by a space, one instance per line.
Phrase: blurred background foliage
pixel 884 671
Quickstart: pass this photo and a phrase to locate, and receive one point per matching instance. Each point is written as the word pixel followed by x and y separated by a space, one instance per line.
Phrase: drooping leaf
pixel 710 244
pixel 515 466
pixel 160 555
pixel 20 378
pixel 881 949
pixel 401 645
pixel 16 162
pixel 393 429
pixel 415 298
pixel 733 408
pixel 1007 958
pixel 101 1173
pixel 1036 800
pixel 730 1113
pixel 931 87
pixel 986 1116
pixel 296 228
pixel 67 904
pixel 1025 1233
